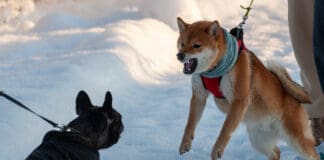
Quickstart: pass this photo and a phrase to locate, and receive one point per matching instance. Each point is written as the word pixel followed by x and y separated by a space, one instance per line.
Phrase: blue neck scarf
pixel 228 60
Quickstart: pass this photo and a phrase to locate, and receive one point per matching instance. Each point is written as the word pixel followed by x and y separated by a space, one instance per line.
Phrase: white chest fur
pixel 197 86
pixel 227 88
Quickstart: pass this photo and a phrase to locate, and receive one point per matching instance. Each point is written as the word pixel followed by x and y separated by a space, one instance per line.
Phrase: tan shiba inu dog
pixel 265 98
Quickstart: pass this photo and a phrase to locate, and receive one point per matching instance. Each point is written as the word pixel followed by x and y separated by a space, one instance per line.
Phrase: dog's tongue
pixel 188 65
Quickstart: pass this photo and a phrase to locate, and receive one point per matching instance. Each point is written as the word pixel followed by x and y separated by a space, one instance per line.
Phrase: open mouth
pixel 190 66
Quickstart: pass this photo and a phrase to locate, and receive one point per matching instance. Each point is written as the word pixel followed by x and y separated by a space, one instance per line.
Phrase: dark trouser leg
pixel 318 39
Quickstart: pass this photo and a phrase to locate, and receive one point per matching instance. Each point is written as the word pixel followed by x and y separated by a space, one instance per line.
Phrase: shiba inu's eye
pixel 182 45
pixel 196 46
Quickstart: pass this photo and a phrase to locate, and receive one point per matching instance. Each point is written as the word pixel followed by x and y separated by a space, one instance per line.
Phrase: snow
pixel 50 50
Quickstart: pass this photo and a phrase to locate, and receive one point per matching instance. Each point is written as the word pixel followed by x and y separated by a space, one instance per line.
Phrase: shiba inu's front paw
pixel 185 144
pixel 217 152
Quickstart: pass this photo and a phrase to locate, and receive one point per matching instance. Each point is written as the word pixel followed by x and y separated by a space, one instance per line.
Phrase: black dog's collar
pixel 71 136
pixel 69 129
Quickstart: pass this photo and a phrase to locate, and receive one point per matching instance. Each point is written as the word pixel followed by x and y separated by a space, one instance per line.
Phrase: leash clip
pixel 246 15
pixel 65 128
pixel 61 127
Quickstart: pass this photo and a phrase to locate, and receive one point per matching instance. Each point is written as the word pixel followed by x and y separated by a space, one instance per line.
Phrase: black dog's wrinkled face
pixel 102 126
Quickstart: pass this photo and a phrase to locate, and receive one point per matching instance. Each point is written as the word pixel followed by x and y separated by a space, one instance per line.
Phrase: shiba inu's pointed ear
pixel 213 28
pixel 108 101
pixel 181 24
pixel 83 102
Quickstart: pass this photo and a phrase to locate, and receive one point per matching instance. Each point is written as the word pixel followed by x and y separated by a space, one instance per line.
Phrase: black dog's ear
pixel 83 102
pixel 108 101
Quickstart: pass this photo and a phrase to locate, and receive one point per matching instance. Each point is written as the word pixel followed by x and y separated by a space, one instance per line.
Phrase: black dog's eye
pixel 196 46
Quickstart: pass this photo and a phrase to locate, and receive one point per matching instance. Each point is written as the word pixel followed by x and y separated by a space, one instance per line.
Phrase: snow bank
pixel 51 49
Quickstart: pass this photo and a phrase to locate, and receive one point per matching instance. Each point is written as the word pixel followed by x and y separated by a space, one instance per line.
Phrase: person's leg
pixel 319 39
pixel 300 17
pixel 318 43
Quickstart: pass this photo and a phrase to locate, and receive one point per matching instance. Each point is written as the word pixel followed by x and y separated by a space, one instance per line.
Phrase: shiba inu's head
pixel 200 45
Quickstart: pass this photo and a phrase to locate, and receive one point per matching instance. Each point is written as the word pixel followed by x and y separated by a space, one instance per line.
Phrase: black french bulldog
pixel 95 128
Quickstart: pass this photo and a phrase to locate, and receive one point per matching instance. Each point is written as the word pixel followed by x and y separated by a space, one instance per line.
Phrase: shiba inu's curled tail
pixel 293 88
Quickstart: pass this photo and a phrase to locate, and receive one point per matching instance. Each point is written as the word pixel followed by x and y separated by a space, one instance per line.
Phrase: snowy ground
pixel 51 49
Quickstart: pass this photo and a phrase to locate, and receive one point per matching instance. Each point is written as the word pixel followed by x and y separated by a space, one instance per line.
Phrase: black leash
pixel 55 125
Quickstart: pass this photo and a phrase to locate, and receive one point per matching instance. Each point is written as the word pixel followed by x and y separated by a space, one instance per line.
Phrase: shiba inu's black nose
pixel 181 56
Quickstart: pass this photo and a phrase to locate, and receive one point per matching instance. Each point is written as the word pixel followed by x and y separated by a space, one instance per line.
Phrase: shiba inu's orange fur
pixel 265 98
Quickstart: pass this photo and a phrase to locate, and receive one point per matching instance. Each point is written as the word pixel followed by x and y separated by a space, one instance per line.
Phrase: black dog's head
pixel 100 126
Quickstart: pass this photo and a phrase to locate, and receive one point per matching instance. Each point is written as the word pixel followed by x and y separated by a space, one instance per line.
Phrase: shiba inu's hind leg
pixel 264 140
pixel 298 132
